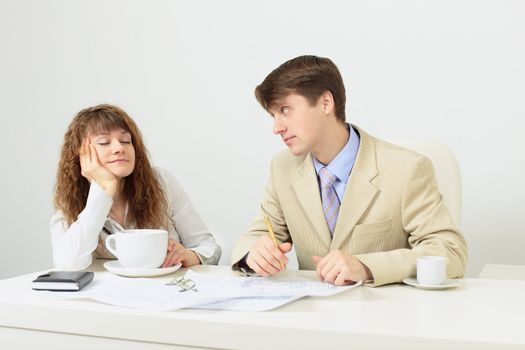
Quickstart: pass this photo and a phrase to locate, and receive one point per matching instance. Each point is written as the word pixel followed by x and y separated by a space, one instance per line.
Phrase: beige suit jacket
pixel 391 213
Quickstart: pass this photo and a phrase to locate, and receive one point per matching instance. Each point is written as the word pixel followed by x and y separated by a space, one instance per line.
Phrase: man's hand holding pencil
pixel 267 257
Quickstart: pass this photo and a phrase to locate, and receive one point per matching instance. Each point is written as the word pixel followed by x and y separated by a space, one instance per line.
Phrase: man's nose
pixel 278 125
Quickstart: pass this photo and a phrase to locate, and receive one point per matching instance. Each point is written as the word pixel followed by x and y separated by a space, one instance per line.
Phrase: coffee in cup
pixel 139 248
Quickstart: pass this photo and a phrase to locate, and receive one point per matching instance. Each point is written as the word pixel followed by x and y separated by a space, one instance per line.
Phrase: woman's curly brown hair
pixel 147 204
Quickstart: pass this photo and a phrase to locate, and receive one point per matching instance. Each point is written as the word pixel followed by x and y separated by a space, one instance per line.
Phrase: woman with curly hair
pixel 105 183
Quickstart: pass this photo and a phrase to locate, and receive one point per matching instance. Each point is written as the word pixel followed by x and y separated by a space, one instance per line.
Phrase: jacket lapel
pixel 359 193
pixel 306 189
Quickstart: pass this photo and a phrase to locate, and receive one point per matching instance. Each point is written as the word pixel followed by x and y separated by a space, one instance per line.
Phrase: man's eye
pixel 284 110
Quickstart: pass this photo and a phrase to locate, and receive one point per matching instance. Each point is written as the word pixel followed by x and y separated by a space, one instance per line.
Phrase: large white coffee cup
pixel 431 270
pixel 142 249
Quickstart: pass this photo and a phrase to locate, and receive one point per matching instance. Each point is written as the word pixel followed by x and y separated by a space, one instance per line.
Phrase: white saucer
pixel 115 267
pixel 448 283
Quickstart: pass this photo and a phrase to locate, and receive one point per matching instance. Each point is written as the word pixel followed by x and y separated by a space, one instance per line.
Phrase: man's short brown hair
pixel 308 76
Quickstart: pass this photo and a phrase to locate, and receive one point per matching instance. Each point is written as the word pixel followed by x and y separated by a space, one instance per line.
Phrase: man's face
pixel 300 125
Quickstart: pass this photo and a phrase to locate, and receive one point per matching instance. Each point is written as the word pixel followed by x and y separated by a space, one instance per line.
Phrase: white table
pixel 504 272
pixel 480 314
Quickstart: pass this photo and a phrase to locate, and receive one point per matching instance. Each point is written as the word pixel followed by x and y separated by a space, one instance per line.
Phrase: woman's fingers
pixel 175 249
pixel 93 157
pixel 178 256
pixel 167 261
pixel 84 157
pixel 171 244
pixel 82 149
pixel 169 254
pixel 85 147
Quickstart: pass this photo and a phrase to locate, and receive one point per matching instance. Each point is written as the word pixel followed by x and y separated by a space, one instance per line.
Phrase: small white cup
pixel 431 270
pixel 139 249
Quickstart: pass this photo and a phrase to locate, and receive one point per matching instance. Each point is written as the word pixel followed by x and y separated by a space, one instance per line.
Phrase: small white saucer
pixel 448 283
pixel 115 267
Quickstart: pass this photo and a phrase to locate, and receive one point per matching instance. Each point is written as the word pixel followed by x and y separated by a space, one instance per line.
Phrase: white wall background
pixel 452 71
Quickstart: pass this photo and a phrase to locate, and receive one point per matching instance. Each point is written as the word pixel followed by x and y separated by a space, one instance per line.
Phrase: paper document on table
pixel 140 293
pixel 208 291
pixel 237 286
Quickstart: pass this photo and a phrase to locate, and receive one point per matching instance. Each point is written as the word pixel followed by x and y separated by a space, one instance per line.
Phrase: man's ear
pixel 327 102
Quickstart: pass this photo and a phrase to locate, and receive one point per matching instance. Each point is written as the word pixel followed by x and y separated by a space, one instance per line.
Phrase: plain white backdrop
pixel 451 71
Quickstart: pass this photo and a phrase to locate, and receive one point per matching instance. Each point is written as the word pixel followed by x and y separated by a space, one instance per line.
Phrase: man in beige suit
pixel 355 207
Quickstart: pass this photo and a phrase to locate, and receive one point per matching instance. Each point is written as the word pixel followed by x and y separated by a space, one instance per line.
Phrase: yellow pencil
pixel 272 236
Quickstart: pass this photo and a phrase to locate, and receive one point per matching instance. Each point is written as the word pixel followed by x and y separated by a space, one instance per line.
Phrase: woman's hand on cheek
pixel 92 170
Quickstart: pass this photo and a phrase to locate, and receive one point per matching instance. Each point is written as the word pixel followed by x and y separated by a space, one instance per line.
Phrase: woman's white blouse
pixel 74 246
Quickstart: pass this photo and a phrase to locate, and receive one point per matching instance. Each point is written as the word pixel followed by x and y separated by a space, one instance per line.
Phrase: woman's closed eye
pixel 102 142
pixel 107 142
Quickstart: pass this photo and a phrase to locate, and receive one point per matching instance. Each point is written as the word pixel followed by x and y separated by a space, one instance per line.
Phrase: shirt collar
pixel 342 164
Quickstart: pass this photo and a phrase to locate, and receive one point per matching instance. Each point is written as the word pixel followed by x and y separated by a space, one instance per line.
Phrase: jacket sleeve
pixel 270 206
pixel 430 229
pixel 73 245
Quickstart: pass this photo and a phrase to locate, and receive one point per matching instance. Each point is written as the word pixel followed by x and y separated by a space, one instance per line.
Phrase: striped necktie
pixel 329 197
